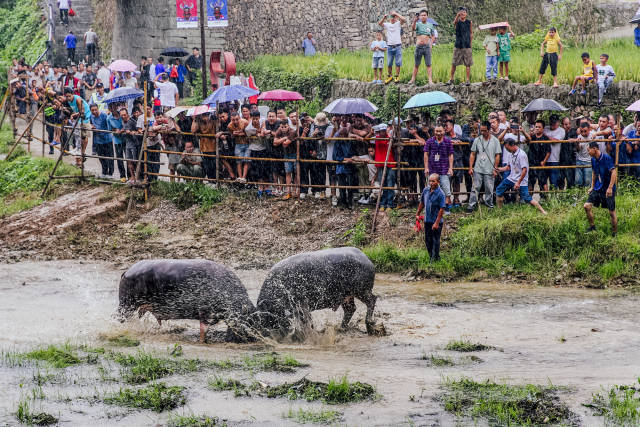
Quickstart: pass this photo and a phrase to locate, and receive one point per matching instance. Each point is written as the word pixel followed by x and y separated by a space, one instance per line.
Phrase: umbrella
pixel 173 113
pixel 494 25
pixel 427 99
pixel 543 104
pixel 350 106
pixel 123 94
pixel 200 109
pixel 635 20
pixel 229 94
pixel 432 22
pixel 634 107
pixel 174 51
pixel 280 95
pixel 122 65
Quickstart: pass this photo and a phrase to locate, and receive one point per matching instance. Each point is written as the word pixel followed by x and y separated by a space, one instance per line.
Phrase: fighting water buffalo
pixel 310 281
pixel 186 289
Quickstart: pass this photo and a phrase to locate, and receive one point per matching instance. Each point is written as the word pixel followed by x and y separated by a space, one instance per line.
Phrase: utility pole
pixel 202 49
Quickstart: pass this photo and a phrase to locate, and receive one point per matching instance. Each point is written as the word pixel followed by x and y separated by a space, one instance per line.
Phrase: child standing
pixel 504 46
pixel 490 44
pixel 588 71
pixel 605 77
pixel 378 47
pixel 552 55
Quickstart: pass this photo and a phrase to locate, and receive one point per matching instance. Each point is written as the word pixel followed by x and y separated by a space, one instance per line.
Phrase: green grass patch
pixel 336 391
pixel 123 340
pixel 271 362
pixel 507 405
pixel 57 356
pixel 143 367
pixel 466 346
pixel 26 416
pixel 304 416
pixel 619 406
pixel 158 397
pixel 438 361
pixel 185 195
pixel 195 421
pixel 143 231
pixel 518 241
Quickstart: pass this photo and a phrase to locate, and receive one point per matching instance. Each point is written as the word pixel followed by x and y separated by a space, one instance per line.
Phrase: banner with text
pixel 187 13
pixel 217 14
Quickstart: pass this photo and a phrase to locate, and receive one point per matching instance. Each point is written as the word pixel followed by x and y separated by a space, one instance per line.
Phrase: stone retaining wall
pixel 504 95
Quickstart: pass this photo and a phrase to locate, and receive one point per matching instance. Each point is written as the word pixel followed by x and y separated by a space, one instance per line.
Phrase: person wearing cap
pixel 462 54
pixel 97 98
pixel 518 177
pixel 382 142
pixel 432 201
pixel 70 42
pixel 602 192
pixel 20 95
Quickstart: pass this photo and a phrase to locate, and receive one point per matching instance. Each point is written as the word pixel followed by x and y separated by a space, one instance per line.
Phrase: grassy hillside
pixel 22 33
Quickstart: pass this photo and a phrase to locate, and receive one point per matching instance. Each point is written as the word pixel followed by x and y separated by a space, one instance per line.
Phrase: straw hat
pixel 321 119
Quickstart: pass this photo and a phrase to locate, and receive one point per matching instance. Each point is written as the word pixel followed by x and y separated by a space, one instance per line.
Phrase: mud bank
pixel 582 339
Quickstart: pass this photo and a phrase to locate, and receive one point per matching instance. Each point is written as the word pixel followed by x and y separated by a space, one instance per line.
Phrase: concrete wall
pixel 145 27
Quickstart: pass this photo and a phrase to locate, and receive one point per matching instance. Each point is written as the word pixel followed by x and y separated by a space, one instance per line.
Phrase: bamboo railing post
pixel 298 163
pixel 215 130
pixel 44 126
pixel 137 171
pixel 6 104
pixel 22 134
pixel 146 176
pixel 53 171
pixel 384 175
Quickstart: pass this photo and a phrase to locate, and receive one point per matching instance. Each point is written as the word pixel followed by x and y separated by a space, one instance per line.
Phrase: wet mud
pixel 579 338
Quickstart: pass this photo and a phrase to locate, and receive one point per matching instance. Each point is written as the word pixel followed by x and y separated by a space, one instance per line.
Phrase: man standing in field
pixel 309 45
pixel 432 201
pixel 462 54
pixel 551 57
pixel 602 192
pixel 393 29
pixel 425 38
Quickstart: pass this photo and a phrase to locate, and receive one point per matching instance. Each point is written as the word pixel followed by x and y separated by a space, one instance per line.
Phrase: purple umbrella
pixel 350 106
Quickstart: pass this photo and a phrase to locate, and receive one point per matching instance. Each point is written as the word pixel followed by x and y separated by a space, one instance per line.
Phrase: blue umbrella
pixel 229 94
pixel 432 22
pixel 123 94
pixel 427 99
pixel 350 106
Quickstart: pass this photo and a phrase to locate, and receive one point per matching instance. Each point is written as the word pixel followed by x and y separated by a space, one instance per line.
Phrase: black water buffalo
pixel 312 281
pixel 186 289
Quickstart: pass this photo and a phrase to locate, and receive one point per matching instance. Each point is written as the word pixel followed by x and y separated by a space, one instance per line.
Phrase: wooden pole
pixel 44 126
pixel 202 49
pixel 6 105
pixel 23 133
pixel 46 187
pixel 298 153
pixel 384 175
pixel 146 177
pixel 618 133
pixel 396 136
pixel 215 124
pixel 137 171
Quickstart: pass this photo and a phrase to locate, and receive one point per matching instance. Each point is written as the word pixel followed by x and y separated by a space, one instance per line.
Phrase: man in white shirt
pixel 104 76
pixel 64 5
pixel 393 29
pixel 90 40
pixel 167 91
pixel 554 132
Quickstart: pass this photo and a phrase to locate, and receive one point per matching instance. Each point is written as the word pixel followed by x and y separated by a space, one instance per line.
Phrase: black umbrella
pixel 543 104
pixel 174 51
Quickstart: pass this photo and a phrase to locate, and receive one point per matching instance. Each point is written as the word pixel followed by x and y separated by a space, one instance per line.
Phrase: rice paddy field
pixel 524 66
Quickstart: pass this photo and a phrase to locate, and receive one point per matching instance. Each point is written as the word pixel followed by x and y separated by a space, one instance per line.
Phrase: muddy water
pixel 579 338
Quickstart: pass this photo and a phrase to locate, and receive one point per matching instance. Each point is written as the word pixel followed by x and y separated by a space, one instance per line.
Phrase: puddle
pixel 579 338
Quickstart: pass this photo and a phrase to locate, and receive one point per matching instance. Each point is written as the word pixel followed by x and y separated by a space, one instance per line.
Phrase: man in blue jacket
pixel 70 42
pixel 433 203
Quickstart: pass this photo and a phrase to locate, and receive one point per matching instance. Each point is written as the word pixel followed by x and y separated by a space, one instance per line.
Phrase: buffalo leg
pixel 370 300
pixel 348 307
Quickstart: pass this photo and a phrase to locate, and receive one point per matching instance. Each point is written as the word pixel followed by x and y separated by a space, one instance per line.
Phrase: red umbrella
pixel 280 95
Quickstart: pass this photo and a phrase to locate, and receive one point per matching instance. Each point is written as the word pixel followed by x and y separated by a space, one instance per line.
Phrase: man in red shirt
pixel 382 147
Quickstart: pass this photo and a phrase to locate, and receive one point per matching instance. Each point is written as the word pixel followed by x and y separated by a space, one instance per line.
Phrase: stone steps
pixel 79 24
